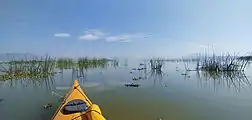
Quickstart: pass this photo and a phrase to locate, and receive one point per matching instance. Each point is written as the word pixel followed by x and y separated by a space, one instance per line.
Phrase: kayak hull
pixel 74 106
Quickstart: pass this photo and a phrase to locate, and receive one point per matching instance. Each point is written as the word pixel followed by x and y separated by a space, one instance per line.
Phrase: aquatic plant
pixel 85 63
pixel 65 63
pixel 27 68
pixel 246 57
pixel 115 62
pixel 212 62
pixel 157 64
pixel 45 66
pixel 132 85
pixel 223 63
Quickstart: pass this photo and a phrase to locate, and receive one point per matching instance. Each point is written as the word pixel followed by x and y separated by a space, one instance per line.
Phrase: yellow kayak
pixel 77 106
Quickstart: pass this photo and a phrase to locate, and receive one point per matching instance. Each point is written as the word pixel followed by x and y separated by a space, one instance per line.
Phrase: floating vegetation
pixel 48 105
pixel 141 68
pixel 154 72
pixel 132 85
pixel 183 73
pixel 24 75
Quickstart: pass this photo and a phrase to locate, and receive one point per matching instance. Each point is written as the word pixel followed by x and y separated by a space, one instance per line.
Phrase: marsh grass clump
pixel 95 62
pixel 85 63
pixel 65 63
pixel 45 66
pixel 115 62
pixel 27 68
pixel 247 57
pixel 132 85
pixel 102 63
pixel 222 63
pixel 156 64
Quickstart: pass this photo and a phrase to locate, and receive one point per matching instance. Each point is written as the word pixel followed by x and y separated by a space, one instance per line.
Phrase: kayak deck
pixel 74 106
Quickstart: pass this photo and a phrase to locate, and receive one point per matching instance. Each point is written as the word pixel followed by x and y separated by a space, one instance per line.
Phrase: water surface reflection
pixel 163 94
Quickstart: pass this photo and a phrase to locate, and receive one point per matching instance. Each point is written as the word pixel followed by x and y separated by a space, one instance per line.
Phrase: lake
pixel 165 95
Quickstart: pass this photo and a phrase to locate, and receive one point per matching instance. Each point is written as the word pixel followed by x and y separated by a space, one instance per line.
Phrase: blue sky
pixel 125 28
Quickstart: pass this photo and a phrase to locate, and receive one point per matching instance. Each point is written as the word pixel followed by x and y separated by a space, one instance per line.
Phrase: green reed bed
pixel 222 63
pixel 45 66
pixel 65 63
pixel 28 68
pixel 99 63
pixel 85 63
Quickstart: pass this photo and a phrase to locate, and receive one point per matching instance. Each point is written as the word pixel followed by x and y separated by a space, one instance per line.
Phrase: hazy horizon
pixel 125 29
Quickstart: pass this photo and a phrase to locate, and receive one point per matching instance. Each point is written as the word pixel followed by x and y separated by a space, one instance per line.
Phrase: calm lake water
pixel 167 95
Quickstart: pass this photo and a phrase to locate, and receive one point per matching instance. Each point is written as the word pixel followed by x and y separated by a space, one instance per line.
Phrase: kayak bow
pixel 77 106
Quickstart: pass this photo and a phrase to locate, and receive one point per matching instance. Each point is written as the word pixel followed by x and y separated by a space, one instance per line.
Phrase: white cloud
pixel 127 37
pixel 96 34
pixel 62 35
pixel 126 41
pixel 121 38
pixel 92 34
pixel 89 37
